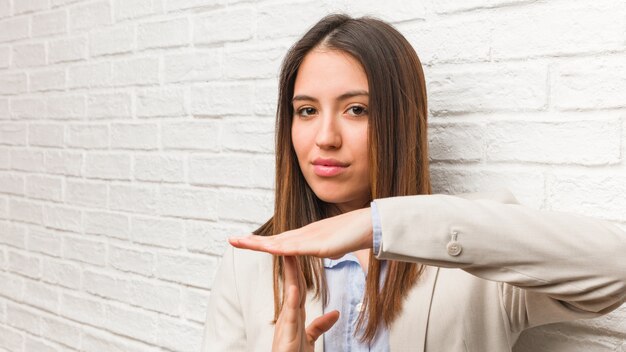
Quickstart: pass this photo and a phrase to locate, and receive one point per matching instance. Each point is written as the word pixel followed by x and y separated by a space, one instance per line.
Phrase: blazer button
pixel 454 248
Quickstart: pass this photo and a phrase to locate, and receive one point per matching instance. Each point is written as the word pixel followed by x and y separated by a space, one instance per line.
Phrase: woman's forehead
pixel 329 73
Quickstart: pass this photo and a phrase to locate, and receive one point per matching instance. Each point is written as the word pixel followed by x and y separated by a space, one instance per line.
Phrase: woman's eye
pixel 306 111
pixel 358 110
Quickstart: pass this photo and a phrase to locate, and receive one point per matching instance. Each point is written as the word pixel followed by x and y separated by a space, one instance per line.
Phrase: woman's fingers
pixel 253 242
pixel 320 325
pixel 288 329
pixel 290 272
pixel 331 237
pixel 289 332
pixel 291 307
pixel 256 243
pixel 295 276
pixel 286 244
pixel 303 288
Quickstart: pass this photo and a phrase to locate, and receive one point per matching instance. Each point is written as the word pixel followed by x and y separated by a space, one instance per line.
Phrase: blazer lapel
pixel 408 332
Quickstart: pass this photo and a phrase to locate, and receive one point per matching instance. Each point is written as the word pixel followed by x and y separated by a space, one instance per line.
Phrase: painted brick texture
pixel 135 136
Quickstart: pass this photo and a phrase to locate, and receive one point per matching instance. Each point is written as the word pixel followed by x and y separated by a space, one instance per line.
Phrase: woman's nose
pixel 328 133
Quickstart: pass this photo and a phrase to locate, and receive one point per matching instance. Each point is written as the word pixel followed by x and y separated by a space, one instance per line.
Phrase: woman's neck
pixel 363 255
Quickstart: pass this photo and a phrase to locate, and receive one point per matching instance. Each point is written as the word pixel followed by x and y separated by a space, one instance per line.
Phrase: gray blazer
pixel 493 269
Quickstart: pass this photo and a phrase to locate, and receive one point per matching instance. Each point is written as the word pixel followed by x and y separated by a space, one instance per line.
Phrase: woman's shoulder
pixel 247 263
pixel 247 275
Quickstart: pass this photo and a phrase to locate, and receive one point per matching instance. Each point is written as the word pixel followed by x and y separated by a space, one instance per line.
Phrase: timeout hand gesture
pixel 328 238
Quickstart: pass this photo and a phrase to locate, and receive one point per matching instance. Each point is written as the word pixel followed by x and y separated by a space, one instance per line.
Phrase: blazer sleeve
pixel 551 266
pixel 224 328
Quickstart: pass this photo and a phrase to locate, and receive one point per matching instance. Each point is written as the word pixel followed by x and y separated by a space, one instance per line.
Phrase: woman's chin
pixel 344 204
pixel 333 198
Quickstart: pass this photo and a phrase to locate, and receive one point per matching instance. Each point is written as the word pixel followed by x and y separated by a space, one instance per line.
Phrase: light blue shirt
pixel 346 286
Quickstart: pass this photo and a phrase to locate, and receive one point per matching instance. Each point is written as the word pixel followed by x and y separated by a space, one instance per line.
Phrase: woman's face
pixel 329 129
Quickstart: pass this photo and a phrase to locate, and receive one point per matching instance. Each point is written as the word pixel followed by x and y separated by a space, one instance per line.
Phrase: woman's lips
pixel 328 170
pixel 327 167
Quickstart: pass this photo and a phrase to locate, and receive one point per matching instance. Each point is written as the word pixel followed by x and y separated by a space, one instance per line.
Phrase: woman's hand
pixel 329 238
pixel 289 333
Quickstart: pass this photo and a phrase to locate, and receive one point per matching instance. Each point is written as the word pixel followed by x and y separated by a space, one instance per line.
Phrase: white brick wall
pixel 136 135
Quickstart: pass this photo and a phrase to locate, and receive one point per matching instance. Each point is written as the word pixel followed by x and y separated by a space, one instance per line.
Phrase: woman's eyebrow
pixel 346 95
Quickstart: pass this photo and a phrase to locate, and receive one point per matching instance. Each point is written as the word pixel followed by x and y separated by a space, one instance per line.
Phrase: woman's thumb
pixel 321 324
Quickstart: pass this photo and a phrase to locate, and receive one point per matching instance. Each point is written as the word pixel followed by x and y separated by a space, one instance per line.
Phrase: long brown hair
pixel 398 153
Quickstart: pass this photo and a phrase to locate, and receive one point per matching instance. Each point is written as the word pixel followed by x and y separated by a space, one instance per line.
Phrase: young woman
pixel 415 271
